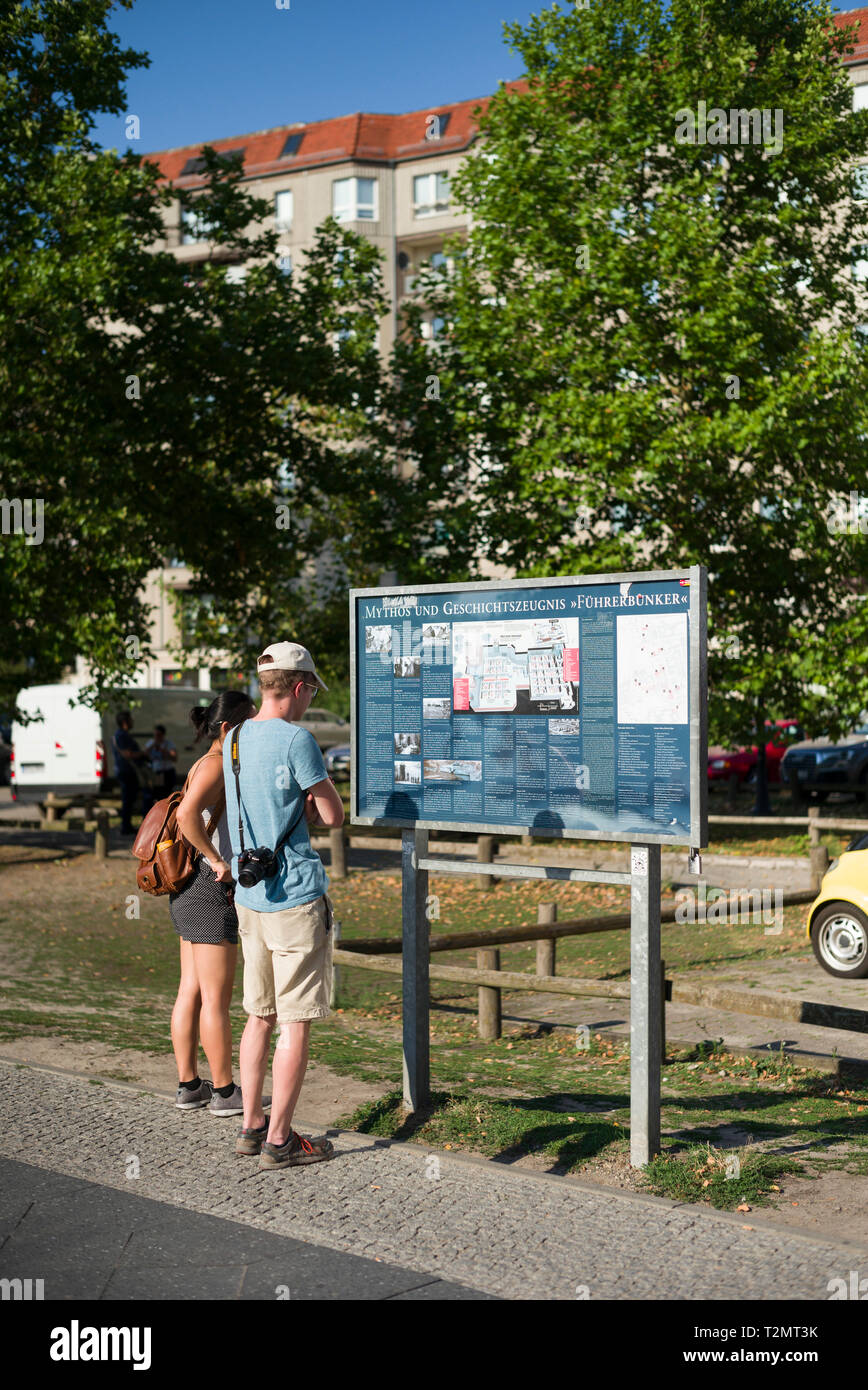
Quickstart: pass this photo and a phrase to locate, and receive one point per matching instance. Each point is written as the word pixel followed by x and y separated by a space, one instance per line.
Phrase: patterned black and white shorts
pixel 204 912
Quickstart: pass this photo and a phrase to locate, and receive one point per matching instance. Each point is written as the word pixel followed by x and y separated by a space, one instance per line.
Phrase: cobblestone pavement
pixel 511 1234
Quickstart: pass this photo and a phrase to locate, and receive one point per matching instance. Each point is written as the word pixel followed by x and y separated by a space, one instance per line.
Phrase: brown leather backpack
pixel 167 862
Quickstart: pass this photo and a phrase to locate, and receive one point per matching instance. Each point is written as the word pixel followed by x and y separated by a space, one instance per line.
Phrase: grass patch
pixel 725 1180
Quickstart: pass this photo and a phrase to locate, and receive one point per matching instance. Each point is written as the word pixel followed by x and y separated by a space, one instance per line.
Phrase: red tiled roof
pixel 375 137
pixel 860 41
pixel 365 137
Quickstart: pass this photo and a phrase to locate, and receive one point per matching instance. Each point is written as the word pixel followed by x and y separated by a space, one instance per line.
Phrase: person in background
pixel 163 755
pixel 205 919
pixel 126 754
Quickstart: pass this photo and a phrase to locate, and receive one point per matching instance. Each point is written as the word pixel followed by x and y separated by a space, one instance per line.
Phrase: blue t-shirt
pixel 279 763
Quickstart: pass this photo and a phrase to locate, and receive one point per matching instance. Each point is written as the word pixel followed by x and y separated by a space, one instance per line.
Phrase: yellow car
pixel 838 919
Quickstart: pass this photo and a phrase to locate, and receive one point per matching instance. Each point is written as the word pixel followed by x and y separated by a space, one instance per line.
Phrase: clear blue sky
pixel 226 67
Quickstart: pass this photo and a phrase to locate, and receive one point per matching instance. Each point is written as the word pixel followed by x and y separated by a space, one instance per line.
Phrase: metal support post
pixel 414 902
pixel 645 1004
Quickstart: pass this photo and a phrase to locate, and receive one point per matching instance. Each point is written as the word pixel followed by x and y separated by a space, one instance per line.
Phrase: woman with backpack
pixel 204 916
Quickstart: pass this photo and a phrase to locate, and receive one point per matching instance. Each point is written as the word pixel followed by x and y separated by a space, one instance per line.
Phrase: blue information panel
pixel 569 706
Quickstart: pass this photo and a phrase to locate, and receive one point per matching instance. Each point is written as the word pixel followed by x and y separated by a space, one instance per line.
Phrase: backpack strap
pixel 219 805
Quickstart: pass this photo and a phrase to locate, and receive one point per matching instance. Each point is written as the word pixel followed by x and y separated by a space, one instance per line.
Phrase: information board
pixel 570 707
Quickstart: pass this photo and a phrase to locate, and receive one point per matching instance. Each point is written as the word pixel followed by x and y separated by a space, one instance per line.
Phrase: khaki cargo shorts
pixel 288 960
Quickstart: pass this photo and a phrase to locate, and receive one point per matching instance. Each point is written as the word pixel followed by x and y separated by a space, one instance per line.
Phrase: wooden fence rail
pixel 548 929
pixel 731 999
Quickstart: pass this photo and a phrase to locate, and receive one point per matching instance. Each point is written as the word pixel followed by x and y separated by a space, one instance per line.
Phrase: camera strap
pixel 236 768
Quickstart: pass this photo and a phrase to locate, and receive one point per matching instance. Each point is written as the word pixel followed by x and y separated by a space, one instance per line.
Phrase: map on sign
pixel 652 668
pixel 514 667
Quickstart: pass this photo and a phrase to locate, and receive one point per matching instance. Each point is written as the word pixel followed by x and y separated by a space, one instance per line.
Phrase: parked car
pixel 820 766
pixel 337 761
pixel 742 762
pixel 327 728
pixel 838 919
pixel 68 750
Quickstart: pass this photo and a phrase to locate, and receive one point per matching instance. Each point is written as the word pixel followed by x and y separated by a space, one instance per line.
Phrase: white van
pixel 69 750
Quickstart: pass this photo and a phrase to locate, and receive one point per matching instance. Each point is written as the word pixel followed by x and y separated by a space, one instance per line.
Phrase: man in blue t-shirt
pixel 284 921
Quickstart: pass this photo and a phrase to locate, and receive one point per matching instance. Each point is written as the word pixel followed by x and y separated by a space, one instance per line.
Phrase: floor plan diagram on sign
pixel 516 667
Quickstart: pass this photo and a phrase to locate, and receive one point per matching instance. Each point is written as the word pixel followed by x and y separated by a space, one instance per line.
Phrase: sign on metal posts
pixel 572 708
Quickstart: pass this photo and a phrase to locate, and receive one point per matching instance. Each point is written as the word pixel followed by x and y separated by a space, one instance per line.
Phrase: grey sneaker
pixel 296 1151
pixel 194 1100
pixel 232 1105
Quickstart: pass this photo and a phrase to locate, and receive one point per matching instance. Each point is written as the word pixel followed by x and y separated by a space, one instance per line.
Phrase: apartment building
pixel 386 177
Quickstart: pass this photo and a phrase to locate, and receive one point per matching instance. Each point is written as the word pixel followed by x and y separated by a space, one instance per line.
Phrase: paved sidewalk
pixel 85 1241
pixel 481 1225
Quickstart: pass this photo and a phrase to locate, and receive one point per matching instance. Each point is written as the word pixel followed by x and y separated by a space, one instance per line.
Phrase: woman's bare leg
pixel 215 972
pixel 185 1017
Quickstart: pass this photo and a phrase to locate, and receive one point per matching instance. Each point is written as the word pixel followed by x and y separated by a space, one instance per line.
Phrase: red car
pixel 723 765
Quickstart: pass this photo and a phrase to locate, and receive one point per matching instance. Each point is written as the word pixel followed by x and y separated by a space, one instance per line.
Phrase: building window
pixel 430 194
pixel 179 677
pixel 860 181
pixel 859 258
pixel 283 208
pixel 432 328
pixel 284 263
pixel 860 97
pixel 354 200
pixel 194 227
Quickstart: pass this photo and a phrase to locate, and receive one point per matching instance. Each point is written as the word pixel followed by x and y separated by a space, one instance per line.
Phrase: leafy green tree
pixel 669 331
pixel 157 409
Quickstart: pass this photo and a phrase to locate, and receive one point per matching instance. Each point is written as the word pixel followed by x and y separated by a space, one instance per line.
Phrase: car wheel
pixel 750 779
pixel 839 936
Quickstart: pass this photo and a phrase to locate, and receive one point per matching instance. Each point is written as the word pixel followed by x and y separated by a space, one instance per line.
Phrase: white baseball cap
pixel 288 656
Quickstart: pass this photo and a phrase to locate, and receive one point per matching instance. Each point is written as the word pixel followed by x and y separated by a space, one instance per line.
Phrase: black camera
pixel 256 864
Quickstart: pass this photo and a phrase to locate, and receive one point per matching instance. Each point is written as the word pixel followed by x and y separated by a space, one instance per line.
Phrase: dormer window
pixel 291 147
pixel 196 165
pixel 437 125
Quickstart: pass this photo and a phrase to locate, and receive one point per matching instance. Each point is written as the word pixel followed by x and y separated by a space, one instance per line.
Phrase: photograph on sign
pixel 559 706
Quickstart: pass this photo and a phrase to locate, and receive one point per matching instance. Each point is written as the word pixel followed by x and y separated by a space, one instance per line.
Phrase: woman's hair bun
pixel 199 716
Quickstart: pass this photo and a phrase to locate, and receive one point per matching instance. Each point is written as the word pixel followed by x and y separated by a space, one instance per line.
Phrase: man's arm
pixel 325 803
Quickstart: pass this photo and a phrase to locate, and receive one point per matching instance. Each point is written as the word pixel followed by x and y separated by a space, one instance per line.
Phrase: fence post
pixel 101 836
pixel 489 997
pixel 484 855
pixel 50 810
pixel 813 828
pixel 819 866
pixel 337 853
pixel 545 947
